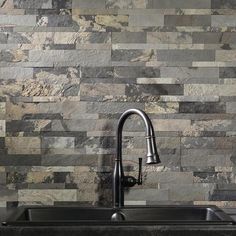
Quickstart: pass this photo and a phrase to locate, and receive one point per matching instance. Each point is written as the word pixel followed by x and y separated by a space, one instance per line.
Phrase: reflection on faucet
pixel 119 179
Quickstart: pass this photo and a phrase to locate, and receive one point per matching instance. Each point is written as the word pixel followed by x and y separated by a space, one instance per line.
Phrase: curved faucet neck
pixel 123 118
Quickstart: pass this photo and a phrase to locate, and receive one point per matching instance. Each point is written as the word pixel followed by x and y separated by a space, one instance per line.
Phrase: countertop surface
pixel 143 230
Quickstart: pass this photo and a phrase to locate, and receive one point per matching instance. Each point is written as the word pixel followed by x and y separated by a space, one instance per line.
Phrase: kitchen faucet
pixel 120 181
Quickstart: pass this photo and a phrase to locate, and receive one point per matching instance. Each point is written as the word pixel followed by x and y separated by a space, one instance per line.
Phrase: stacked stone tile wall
pixel 69 68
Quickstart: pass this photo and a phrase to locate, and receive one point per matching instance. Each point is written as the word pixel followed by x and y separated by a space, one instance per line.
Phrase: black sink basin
pixel 133 215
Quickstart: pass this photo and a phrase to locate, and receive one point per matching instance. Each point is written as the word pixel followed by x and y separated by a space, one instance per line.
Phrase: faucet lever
pixel 140 177
pixel 130 181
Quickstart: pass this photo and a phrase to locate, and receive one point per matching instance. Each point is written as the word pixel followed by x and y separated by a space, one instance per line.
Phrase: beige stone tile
pixel 47 195
pixel 171 124
pixel 2 128
pixel 23 145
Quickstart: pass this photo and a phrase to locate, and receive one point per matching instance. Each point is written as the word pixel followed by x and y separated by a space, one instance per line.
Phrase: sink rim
pixel 12 219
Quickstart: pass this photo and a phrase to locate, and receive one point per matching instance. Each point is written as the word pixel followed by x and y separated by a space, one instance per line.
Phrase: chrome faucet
pixel 119 179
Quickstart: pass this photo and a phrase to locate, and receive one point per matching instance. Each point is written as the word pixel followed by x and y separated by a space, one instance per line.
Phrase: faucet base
pixel 118 216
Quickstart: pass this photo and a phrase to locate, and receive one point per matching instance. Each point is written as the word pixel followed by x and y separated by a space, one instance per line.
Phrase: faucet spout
pixel 152 154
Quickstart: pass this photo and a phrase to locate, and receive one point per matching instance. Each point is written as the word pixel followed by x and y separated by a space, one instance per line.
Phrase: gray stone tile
pixel 227 72
pixel 146 20
pixel 58 142
pixel 223 21
pixel 16 73
pixel 190 192
pixel 46 186
pixel 129 37
pixel 154 90
pixel 20 20
pixel 111 108
pixel 134 55
pixel 231 107
pixel 94 37
pixel 213 89
pixel 190 4
pixel 185 55
pixel 99 89
pixel 189 98
pixel 223 195
pixel 8 195
pixel 213 177
pixel 35 4
pixel 124 4
pixel 147 194
pixel 214 37
pixel 189 72
pixel 169 37
pixel 208 142
pixel 168 178
pixel 97 72
pixel 134 72
pixel 85 124
pixel 184 20
pixel 196 107
pixel 3 38
pixel 26 126
pixel 55 21
pixel 65 4
pixel 72 57
pixel 68 160
pixel 223 4
pixel 88 4
pixel 20 160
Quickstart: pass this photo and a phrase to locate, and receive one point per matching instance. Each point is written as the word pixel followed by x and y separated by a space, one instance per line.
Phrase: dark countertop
pixel 142 230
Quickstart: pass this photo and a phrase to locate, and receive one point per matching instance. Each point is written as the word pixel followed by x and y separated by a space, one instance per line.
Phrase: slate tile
pixel 92 4
pixel 223 195
pixel 227 72
pixel 133 55
pixel 135 72
pixel 97 72
pixel 33 4
pixel 68 160
pixel 20 160
pixel 3 38
pixel 214 37
pixel 185 55
pixel 190 4
pixel 223 4
pixel 55 20
pixel 197 107
pixel 146 20
pixel 18 20
pixel 223 21
pixel 124 4
pixel 129 37
pixel 165 89
pixel 61 4
pixel 189 72
pixel 187 20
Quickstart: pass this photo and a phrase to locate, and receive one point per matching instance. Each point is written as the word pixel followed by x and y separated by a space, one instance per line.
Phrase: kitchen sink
pixel 157 215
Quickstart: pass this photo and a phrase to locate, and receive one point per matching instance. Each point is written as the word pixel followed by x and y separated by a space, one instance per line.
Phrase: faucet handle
pixel 130 181
pixel 140 177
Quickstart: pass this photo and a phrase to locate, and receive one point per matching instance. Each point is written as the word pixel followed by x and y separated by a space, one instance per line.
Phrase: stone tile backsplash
pixel 68 69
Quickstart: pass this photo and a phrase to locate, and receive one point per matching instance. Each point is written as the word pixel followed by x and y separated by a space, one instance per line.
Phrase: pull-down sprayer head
pixel 152 154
